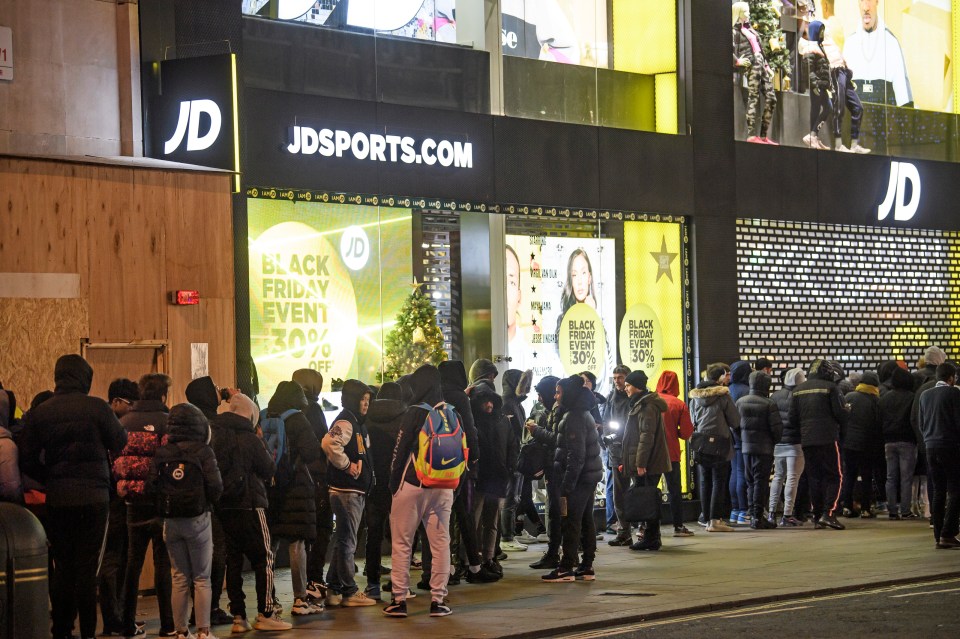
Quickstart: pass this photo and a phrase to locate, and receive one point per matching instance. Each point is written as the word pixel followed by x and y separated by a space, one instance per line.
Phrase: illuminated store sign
pixel 379 148
pixel 902 174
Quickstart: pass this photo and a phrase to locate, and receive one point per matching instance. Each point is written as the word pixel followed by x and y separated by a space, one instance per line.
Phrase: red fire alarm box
pixel 185 298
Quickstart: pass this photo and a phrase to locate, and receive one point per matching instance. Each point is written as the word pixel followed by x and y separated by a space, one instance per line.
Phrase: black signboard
pixel 196 122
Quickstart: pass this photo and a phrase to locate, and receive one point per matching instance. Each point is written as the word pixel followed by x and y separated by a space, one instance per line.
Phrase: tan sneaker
pixel 271 623
pixel 358 599
pixel 717 525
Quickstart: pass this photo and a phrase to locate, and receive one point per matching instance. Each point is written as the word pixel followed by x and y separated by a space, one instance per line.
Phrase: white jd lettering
pixel 900 174
pixel 189 123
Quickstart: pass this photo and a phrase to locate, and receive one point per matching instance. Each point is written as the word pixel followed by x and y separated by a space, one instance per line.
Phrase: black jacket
pixel 783 398
pixel 760 425
pixel 925 375
pixel 577 460
pixel 615 409
pixel 190 440
pixel 940 417
pixel 424 387
pixel 499 447
pixel 895 409
pixel 241 453
pixel 202 393
pixel 67 441
pixel 817 409
pixel 739 387
pixel 383 426
pixel 863 431
pixel 292 510
pixel 453 385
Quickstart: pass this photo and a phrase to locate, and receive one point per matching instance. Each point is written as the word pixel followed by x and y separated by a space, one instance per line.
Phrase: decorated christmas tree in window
pixel 415 339
pixel 765 15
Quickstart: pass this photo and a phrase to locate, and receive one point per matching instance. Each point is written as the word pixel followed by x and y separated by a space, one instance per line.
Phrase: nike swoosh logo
pixel 444 462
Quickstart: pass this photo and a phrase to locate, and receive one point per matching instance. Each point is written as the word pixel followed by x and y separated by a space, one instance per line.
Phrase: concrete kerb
pixel 684 611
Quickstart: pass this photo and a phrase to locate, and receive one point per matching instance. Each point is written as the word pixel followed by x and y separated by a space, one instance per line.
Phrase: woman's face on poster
pixel 580 278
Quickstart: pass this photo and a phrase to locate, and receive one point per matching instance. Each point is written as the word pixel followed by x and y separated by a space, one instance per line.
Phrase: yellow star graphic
pixel 664 260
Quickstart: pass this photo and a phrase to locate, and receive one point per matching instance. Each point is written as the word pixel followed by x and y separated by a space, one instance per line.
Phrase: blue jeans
pixel 901 462
pixel 611 510
pixel 738 482
pixel 347 510
pixel 190 545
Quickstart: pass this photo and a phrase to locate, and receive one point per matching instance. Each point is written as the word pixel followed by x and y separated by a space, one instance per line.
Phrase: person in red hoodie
pixel 677 426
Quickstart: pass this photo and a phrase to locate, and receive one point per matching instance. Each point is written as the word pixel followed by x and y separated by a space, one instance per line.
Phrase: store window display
pixel 753 72
pixel 874 53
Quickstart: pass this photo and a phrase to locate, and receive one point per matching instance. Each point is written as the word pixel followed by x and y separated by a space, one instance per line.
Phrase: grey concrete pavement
pixel 696 573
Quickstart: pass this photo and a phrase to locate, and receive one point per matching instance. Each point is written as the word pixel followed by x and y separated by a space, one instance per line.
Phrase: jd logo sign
pixel 188 122
pixel 904 182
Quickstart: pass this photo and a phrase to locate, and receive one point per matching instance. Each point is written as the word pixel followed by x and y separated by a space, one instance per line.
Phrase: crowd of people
pixel 442 459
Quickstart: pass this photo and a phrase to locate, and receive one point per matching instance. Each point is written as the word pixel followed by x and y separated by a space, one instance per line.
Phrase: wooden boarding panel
pixel 109 364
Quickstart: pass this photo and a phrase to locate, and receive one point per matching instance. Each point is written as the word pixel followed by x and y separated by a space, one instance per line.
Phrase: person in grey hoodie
pixel 715 417
pixel 787 453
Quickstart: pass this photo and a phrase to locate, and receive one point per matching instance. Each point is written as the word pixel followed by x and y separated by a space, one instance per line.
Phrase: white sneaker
pixel 718 525
pixel 844 149
pixel 512 546
pixel 273 622
pixel 333 599
pixel 240 624
pixel 543 538
pixel 526 539
pixel 810 140
pixel 206 634
pixel 301 607
pixel 860 149
pixel 357 600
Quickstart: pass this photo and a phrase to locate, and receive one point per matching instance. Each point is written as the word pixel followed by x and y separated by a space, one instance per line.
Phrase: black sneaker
pixel 483 576
pixel 424 583
pixel 818 524
pixel 832 522
pixel 909 516
pixel 501 556
pixel 652 545
pixel 893 517
pixel 219 617
pixel 396 608
pixel 947 543
pixel 559 575
pixel 620 541
pixel 584 573
pixel 547 562
pixel 439 609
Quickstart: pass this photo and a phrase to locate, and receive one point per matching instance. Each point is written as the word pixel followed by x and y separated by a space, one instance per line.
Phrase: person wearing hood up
pixel 516 386
pixel 677 426
pixel 862 433
pixel 246 468
pixel 146 426
pixel 415 504
pixel 612 418
pixel 383 423
pixel 715 416
pixel 291 510
pixel 483 371
pixel 578 469
pixel 543 428
pixel 645 453
pixel 499 451
pixel 311 382
pixel 453 384
pixel 739 387
pixel 67 443
pixel 899 443
pixel 818 411
pixel 350 477
pixel 185 477
pixel 932 357
pixel 207 396
pixel 760 429
pixel 787 453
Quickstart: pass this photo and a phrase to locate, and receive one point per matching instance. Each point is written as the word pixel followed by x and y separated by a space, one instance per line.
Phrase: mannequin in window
pixel 821 103
pixel 845 95
pixel 749 63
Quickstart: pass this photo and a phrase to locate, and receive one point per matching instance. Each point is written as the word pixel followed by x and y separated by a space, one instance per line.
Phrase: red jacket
pixel 676 420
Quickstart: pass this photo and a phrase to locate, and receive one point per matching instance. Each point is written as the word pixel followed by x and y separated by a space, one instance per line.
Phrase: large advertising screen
pixel 324 288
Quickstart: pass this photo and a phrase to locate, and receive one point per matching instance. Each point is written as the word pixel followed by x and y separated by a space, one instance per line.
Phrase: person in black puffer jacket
pixel 578 467
pixel 66 444
pixel 383 424
pixel 861 435
pixel 292 510
pixel 818 410
pixel 246 467
pixel 899 443
pixel 787 453
pixel 312 383
pixel 543 429
pixel 498 452
pixel 186 524
pixel 146 425
pixel 463 539
pixel 760 429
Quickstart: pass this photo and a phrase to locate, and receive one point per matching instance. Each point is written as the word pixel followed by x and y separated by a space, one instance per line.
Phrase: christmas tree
pixel 765 15
pixel 415 339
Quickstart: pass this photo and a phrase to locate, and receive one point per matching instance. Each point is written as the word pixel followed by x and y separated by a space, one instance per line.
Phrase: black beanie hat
pixel 637 379
pixel 391 390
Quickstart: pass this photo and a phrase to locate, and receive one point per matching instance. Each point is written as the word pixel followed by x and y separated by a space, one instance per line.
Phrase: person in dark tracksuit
pixel 940 427
pixel 760 429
